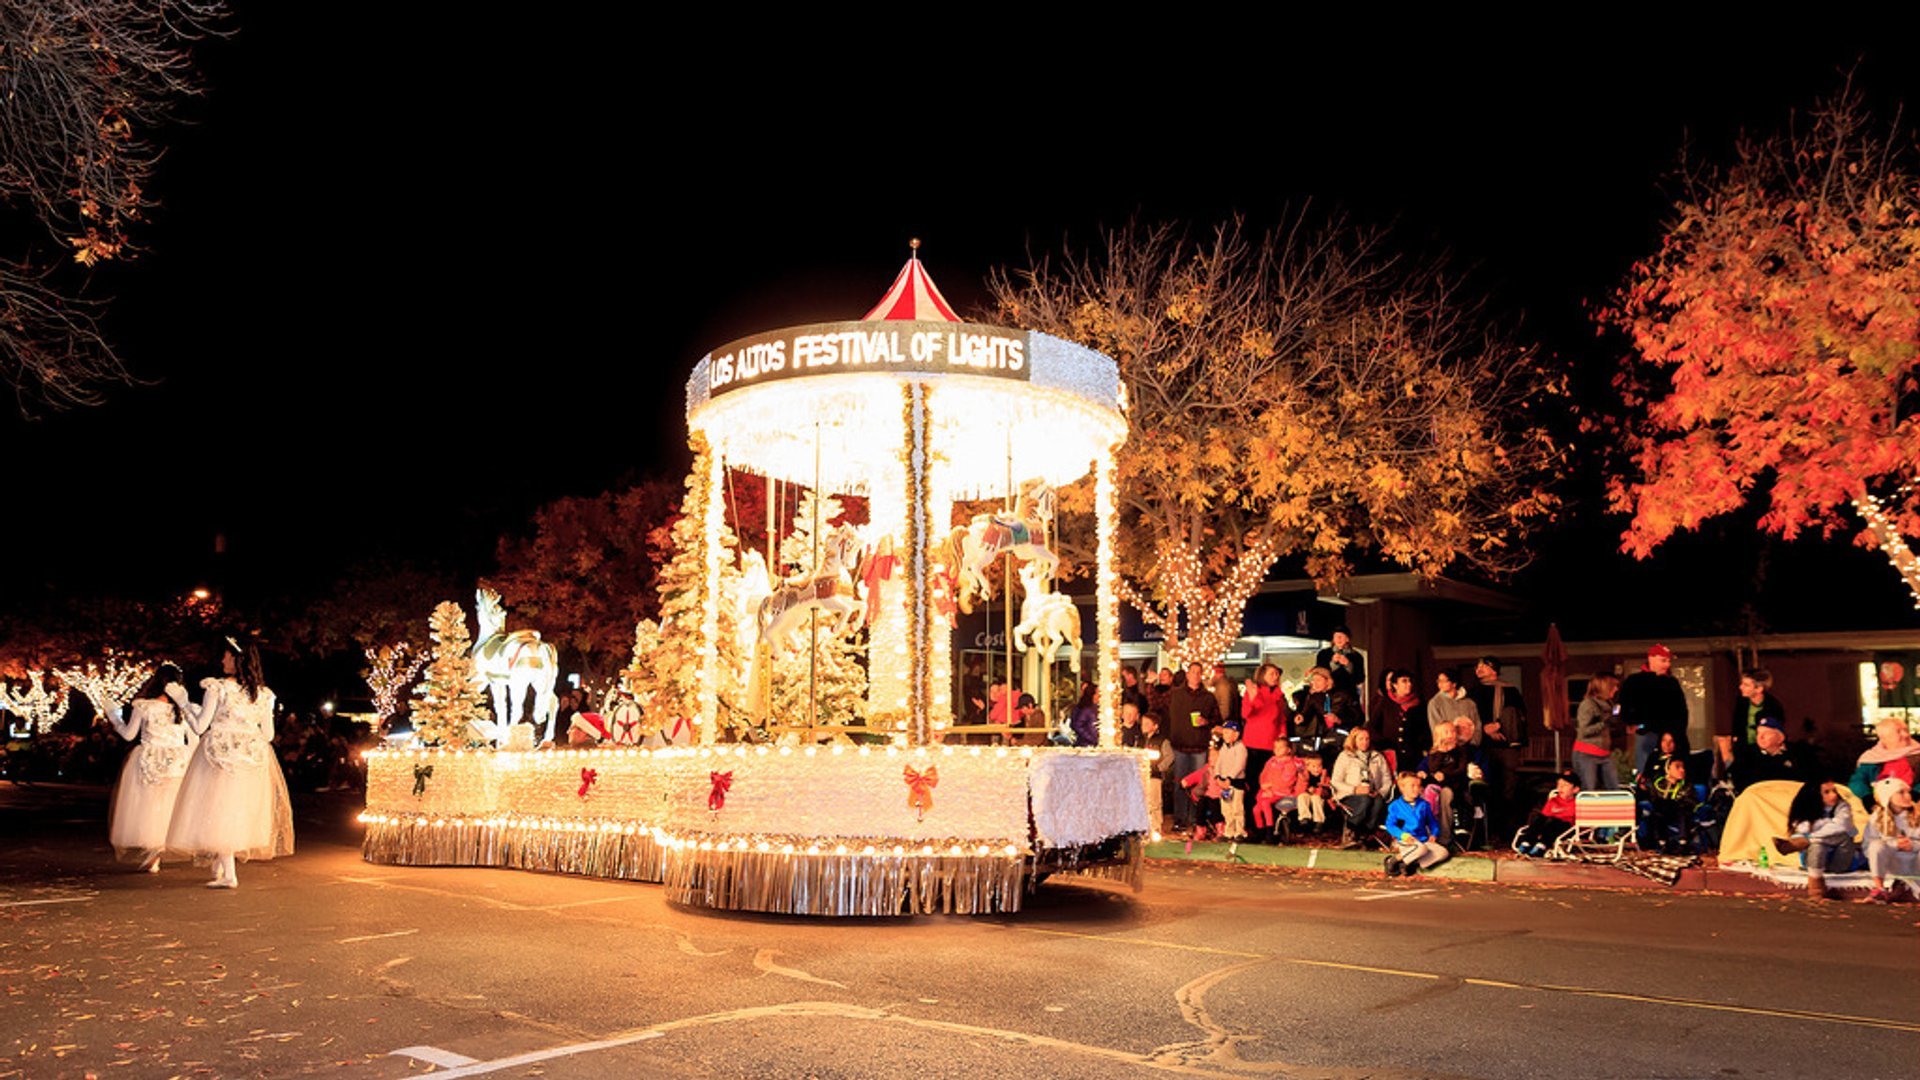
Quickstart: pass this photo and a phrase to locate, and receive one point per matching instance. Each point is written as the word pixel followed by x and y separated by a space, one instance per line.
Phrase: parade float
pixel 745 794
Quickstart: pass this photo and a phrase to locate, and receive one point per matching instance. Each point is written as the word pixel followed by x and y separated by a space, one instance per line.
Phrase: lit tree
pixel 670 690
pixel 838 681
pixel 449 698
pixel 39 704
pixel 88 84
pixel 390 669
pixel 111 682
pixel 1775 337
pixel 1300 393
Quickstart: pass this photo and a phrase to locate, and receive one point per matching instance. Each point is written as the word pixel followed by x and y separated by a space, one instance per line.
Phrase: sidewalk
pixel 1473 866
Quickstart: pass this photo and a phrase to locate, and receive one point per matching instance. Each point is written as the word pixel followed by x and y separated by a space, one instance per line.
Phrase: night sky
pixel 409 280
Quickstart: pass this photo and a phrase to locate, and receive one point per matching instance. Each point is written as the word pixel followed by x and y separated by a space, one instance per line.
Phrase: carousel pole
pixel 1006 592
pixel 813 613
pixel 1106 599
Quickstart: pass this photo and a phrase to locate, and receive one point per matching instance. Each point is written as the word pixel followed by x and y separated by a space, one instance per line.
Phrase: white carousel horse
pixel 1050 617
pixel 826 589
pixel 508 663
pixel 973 547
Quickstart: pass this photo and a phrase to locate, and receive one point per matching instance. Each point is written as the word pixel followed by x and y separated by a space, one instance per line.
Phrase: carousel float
pixel 887 808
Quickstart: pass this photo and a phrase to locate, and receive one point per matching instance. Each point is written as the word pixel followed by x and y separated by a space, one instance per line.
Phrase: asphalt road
pixel 324 964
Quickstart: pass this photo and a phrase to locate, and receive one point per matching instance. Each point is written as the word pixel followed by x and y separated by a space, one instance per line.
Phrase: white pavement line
pixel 375 937
pixel 589 903
pixel 433 1055
pixel 467 1066
pixel 764 961
pixel 54 900
pixel 1313 857
pixel 1365 895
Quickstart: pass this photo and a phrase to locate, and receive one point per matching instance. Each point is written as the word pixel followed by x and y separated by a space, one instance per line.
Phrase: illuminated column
pixel 919 464
pixel 889 644
pixel 938 648
pixel 1106 602
pixel 713 512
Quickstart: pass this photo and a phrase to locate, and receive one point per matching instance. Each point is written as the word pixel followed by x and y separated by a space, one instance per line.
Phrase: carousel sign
pixel 840 348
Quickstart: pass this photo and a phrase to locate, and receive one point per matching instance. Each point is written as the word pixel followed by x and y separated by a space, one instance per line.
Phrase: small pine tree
pixel 448 698
pixel 671 685
pixel 839 680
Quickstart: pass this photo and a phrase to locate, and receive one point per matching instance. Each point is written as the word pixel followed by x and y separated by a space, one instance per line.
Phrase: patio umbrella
pixel 1553 689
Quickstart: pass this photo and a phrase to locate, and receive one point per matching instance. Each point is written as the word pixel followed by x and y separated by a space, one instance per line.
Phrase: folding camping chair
pixel 1595 812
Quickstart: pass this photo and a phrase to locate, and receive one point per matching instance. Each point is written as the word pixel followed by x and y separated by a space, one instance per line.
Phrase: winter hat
pixel 1885 788
pixel 1659 651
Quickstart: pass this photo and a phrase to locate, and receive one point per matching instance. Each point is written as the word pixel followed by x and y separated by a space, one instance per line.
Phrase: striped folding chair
pixel 1604 823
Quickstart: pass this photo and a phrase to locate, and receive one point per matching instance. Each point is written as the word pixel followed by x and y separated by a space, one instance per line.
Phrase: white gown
pixel 150 780
pixel 234 798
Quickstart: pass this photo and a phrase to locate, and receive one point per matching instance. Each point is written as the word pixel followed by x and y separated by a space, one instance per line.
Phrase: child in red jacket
pixel 1554 817
pixel 1282 781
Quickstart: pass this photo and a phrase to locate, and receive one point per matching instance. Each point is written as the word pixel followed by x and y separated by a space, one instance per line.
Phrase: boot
pixel 1790 845
pixel 1816 887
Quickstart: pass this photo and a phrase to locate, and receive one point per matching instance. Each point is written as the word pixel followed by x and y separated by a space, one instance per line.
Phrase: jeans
pixel 1596 772
pixel 1365 813
pixel 1185 764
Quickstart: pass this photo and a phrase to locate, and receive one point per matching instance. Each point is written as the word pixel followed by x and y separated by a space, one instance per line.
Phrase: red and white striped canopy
pixel 914 297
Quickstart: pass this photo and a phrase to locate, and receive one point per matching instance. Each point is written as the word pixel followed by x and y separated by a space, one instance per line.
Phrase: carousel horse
pixel 1050 617
pixel 1022 533
pixel 826 590
pixel 508 663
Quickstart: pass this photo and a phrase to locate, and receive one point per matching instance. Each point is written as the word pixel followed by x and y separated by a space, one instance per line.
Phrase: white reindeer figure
pixel 508 663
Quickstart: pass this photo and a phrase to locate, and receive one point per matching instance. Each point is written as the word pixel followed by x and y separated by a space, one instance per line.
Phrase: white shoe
pixel 153 867
pixel 223 883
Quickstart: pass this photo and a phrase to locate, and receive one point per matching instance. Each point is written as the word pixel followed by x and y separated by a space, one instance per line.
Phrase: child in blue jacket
pixel 1415 831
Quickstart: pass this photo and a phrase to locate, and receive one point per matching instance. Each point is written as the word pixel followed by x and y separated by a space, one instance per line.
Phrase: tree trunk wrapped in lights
pixel 1301 393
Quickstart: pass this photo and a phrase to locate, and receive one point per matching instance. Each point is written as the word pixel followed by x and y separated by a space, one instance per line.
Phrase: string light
pixel 39 705
pixel 390 669
pixel 112 682
pixel 1199 621
pixel 1887 534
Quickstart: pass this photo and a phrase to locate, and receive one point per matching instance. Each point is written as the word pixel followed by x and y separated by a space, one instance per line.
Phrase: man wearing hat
pixel 1653 704
pixel 1770 757
pixel 1343 662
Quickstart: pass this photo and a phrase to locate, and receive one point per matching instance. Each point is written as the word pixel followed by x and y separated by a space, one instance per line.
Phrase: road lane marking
pixel 1500 984
pixel 376 937
pixel 467 1066
pixel 764 961
pixel 1368 895
pixel 53 900
pixel 1209 950
pixel 822 1010
pixel 433 1055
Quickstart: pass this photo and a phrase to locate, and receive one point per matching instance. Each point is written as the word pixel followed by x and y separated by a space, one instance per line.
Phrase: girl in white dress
pixel 150 779
pixel 233 803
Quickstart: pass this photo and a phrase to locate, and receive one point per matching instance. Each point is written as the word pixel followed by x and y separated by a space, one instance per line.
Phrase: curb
pixel 1469 867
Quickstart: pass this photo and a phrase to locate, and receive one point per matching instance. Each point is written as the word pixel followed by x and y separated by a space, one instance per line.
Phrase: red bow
pixel 920 788
pixel 587 777
pixel 679 725
pixel 717 798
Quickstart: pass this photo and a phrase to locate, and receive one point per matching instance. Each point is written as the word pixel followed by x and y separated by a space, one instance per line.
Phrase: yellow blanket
pixel 1760 814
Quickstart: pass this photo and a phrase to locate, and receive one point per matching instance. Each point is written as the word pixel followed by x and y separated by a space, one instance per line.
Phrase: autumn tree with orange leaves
pixel 1303 392
pixel 1774 337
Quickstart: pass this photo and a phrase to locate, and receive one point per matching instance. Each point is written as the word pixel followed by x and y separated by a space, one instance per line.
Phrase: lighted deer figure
pixel 507 664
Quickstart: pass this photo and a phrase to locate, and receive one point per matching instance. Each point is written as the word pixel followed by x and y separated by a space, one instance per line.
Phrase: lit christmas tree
pixel 675 667
pixel 448 699
pixel 839 681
